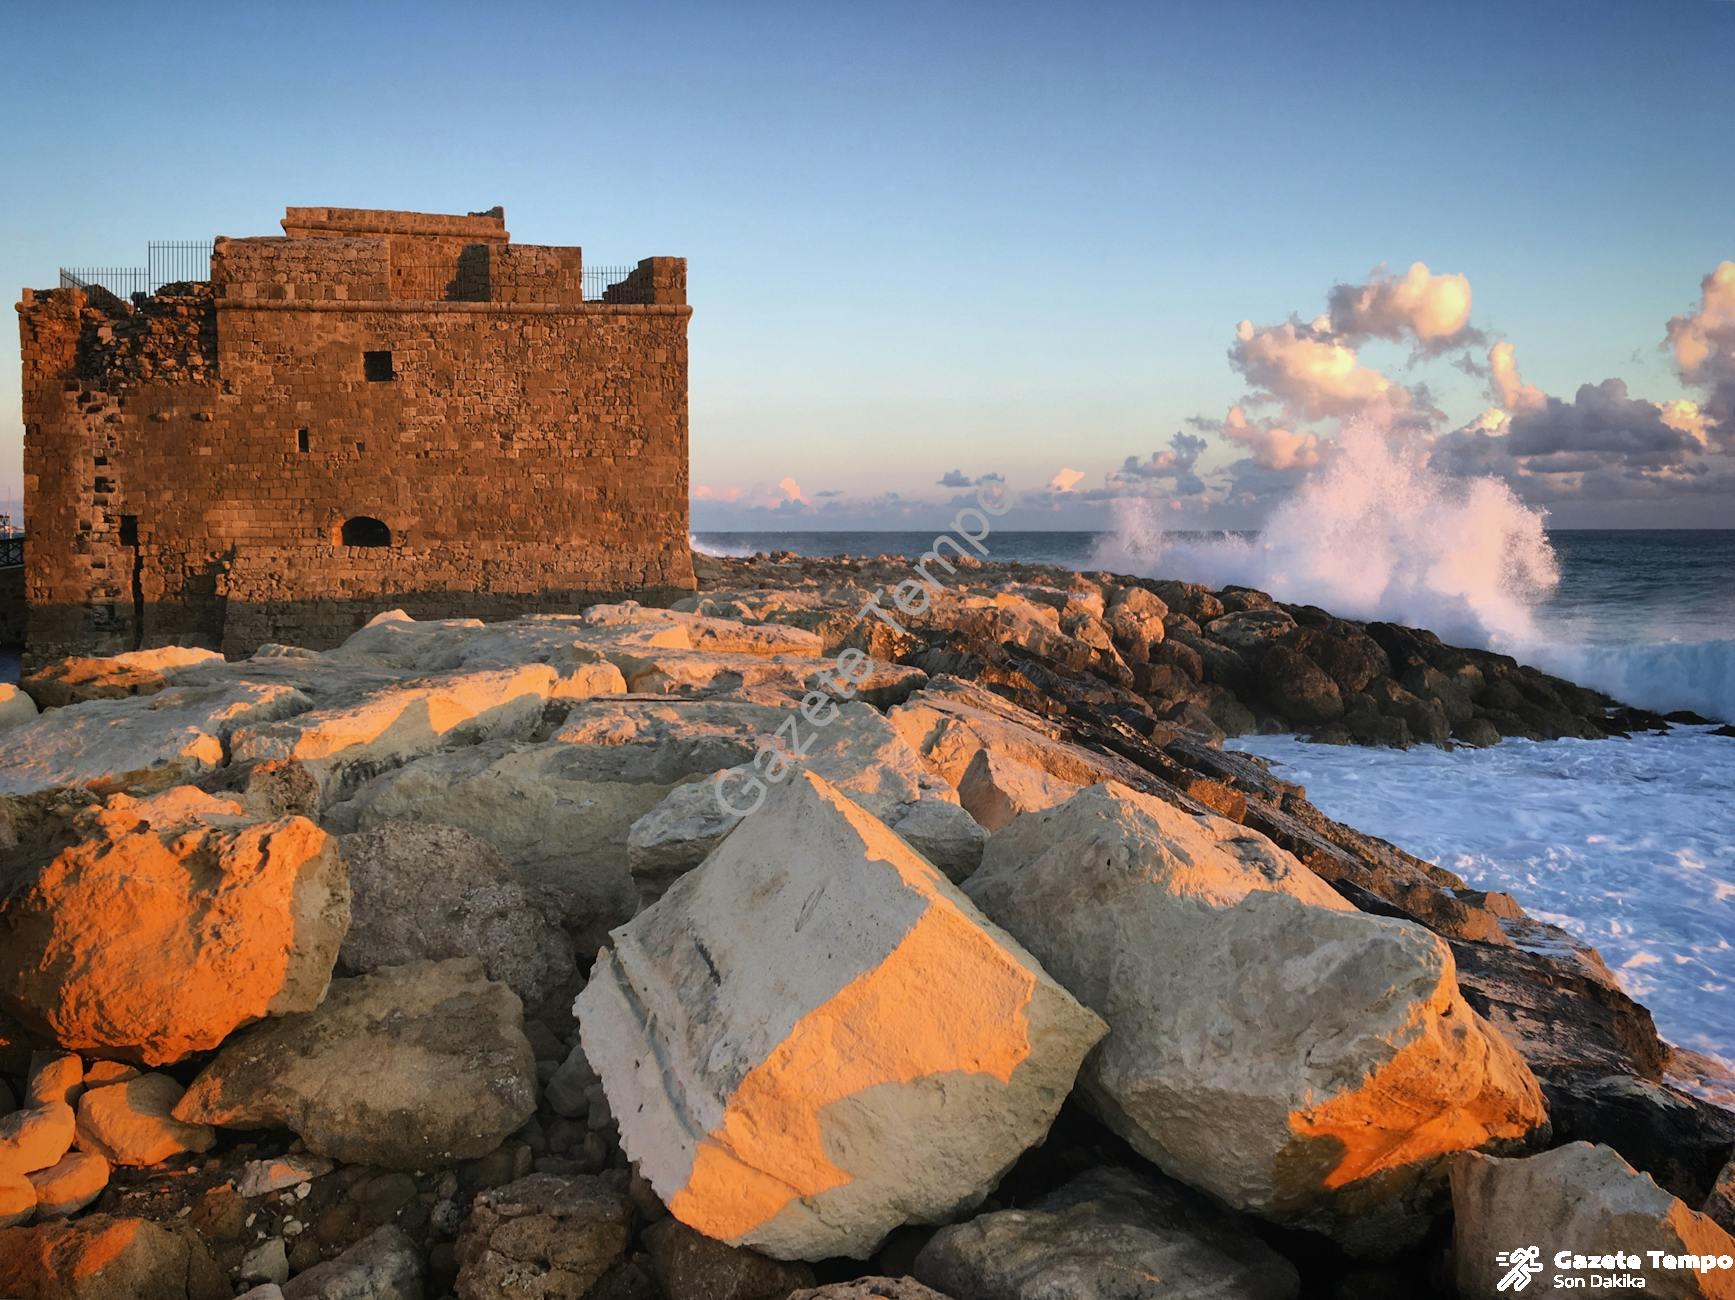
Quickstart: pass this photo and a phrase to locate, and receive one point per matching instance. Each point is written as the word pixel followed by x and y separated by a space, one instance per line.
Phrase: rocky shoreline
pixel 391 971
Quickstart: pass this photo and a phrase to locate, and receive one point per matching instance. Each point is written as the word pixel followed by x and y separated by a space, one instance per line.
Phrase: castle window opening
pixel 364 530
pixel 377 366
pixel 303 443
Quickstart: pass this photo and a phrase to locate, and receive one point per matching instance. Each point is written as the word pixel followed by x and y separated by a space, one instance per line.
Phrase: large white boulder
pixel 1582 1200
pixel 949 722
pixel 854 748
pixel 343 743
pixel 1269 1043
pixel 140 743
pixel 814 1038
pixel 560 810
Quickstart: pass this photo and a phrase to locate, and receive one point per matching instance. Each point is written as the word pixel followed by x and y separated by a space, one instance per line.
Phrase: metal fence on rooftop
pixel 167 261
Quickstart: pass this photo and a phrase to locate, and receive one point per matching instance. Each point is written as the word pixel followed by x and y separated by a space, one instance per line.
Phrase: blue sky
pixel 997 239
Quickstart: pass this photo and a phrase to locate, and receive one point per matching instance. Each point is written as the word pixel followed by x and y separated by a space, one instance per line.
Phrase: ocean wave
pixel 1665 676
pixel 721 550
pixel 1377 533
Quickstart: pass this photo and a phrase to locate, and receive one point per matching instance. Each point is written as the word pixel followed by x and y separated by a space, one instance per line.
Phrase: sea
pixel 1628 844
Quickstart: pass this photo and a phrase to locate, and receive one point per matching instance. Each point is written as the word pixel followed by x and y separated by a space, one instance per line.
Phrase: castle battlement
pixel 374 409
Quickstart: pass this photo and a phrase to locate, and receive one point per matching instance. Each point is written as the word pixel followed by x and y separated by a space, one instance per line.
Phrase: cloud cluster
pixel 1433 311
pixel 1170 470
pixel 1307 381
pixel 1311 373
pixel 1510 391
pixel 1704 348
pixel 1604 444
pixel 1271 446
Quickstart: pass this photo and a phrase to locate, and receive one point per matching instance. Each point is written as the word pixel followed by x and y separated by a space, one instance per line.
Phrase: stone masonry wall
pixel 190 465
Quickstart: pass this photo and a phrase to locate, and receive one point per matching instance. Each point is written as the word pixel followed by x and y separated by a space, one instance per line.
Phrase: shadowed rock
pixel 408 1067
pixel 1107 1233
pixel 1585 1200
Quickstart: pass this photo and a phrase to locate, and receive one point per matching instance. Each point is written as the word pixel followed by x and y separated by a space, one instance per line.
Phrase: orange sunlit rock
pixel 170 922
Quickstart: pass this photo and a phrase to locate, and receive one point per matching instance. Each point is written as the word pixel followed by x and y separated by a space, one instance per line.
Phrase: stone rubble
pixel 843 1045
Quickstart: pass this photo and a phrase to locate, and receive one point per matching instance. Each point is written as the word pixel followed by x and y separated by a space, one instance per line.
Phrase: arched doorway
pixel 364 530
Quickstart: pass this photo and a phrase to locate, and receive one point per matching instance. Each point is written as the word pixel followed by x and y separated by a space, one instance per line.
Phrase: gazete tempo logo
pixel 1521 1265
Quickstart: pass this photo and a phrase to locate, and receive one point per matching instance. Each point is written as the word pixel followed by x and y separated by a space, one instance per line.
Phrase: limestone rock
pixel 423 891
pixel 17 1199
pixel 170 922
pixel 384 1265
pixel 887 1068
pixel 944 834
pixel 559 815
pixel 54 1076
pixel 260 1177
pixel 408 1067
pixel 1107 1233
pixel 35 1138
pixel 541 1238
pixel 106 1257
pixel 266 1262
pixel 1579 1198
pixel 70 1185
pixel 871 1288
pixel 1250 629
pixel 114 677
pixel 139 744
pixel 15 706
pixel 996 788
pixel 1269 1044
pixel 342 744
pixel 690 1266
pixel 1295 686
pixel 1720 1204
pixel 949 722
pixel 133 1123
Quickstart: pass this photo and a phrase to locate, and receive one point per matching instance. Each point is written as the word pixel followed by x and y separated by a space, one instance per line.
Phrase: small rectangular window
pixel 129 530
pixel 377 366
pixel 303 443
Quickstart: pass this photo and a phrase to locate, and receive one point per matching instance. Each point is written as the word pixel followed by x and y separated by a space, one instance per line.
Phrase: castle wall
pixel 190 465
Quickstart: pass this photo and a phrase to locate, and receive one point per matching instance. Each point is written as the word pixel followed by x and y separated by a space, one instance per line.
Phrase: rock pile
pixel 759 948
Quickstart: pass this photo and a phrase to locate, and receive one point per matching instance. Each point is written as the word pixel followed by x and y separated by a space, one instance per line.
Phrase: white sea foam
pixel 1663 675
pixel 719 549
pixel 1377 533
pixel 1630 845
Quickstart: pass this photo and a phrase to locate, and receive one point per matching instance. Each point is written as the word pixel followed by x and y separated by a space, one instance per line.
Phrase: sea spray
pixel 1375 533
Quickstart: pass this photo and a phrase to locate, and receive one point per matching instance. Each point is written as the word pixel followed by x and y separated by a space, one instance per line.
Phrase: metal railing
pixel 12 551
pixel 598 280
pixel 171 261
pixel 167 261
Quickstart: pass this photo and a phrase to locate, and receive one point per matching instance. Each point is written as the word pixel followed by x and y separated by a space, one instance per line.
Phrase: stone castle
pixel 375 409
